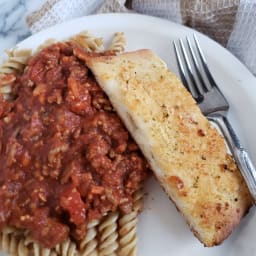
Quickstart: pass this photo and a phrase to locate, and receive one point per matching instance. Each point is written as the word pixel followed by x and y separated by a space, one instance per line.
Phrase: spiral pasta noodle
pixel 118 43
pixel 18 243
pixel 108 243
pixel 47 43
pixel 138 199
pixel 17 60
pixel 12 242
pixel 67 248
pixel 6 82
pixel 34 248
pixel 88 41
pixel 88 246
pixel 127 227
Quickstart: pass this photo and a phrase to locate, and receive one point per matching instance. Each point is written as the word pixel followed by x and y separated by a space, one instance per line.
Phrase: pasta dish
pixel 67 162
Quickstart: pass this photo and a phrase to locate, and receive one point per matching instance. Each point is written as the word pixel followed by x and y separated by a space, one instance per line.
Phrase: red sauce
pixel 65 156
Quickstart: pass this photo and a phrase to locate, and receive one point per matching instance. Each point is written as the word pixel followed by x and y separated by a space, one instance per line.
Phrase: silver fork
pixel 212 102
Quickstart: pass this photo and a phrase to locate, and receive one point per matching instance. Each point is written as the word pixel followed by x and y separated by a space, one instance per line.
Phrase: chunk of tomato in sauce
pixel 71 201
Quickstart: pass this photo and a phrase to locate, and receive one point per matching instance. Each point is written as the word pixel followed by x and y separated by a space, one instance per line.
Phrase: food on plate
pixel 70 173
pixel 187 155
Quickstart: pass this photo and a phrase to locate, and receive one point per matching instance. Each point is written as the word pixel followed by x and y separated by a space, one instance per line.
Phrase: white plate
pixel 162 231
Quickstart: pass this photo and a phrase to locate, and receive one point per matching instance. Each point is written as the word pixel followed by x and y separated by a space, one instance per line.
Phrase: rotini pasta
pixel 127 227
pixel 88 247
pixel 108 243
pixel 47 43
pixel 67 248
pixel 88 41
pixel 18 243
pixel 6 81
pixel 12 242
pixel 138 199
pixel 17 59
pixel 118 43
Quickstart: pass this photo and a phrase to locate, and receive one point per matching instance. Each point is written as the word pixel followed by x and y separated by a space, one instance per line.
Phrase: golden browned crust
pixel 187 154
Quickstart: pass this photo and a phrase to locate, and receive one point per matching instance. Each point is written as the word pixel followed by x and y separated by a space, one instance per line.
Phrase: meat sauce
pixel 65 156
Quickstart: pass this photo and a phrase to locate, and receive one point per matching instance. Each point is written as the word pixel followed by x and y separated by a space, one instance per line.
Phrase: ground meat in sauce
pixel 65 156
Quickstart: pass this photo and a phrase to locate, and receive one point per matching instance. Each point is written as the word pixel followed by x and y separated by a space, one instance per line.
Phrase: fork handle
pixel 241 156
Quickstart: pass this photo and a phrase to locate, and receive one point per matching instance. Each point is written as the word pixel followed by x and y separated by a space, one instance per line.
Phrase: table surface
pixel 13 26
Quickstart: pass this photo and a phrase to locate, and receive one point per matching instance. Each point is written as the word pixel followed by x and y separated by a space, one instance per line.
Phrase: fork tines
pixel 191 72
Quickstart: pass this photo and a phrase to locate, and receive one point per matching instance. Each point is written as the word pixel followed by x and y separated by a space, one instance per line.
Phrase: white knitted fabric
pixel 161 8
pixel 57 11
pixel 242 41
